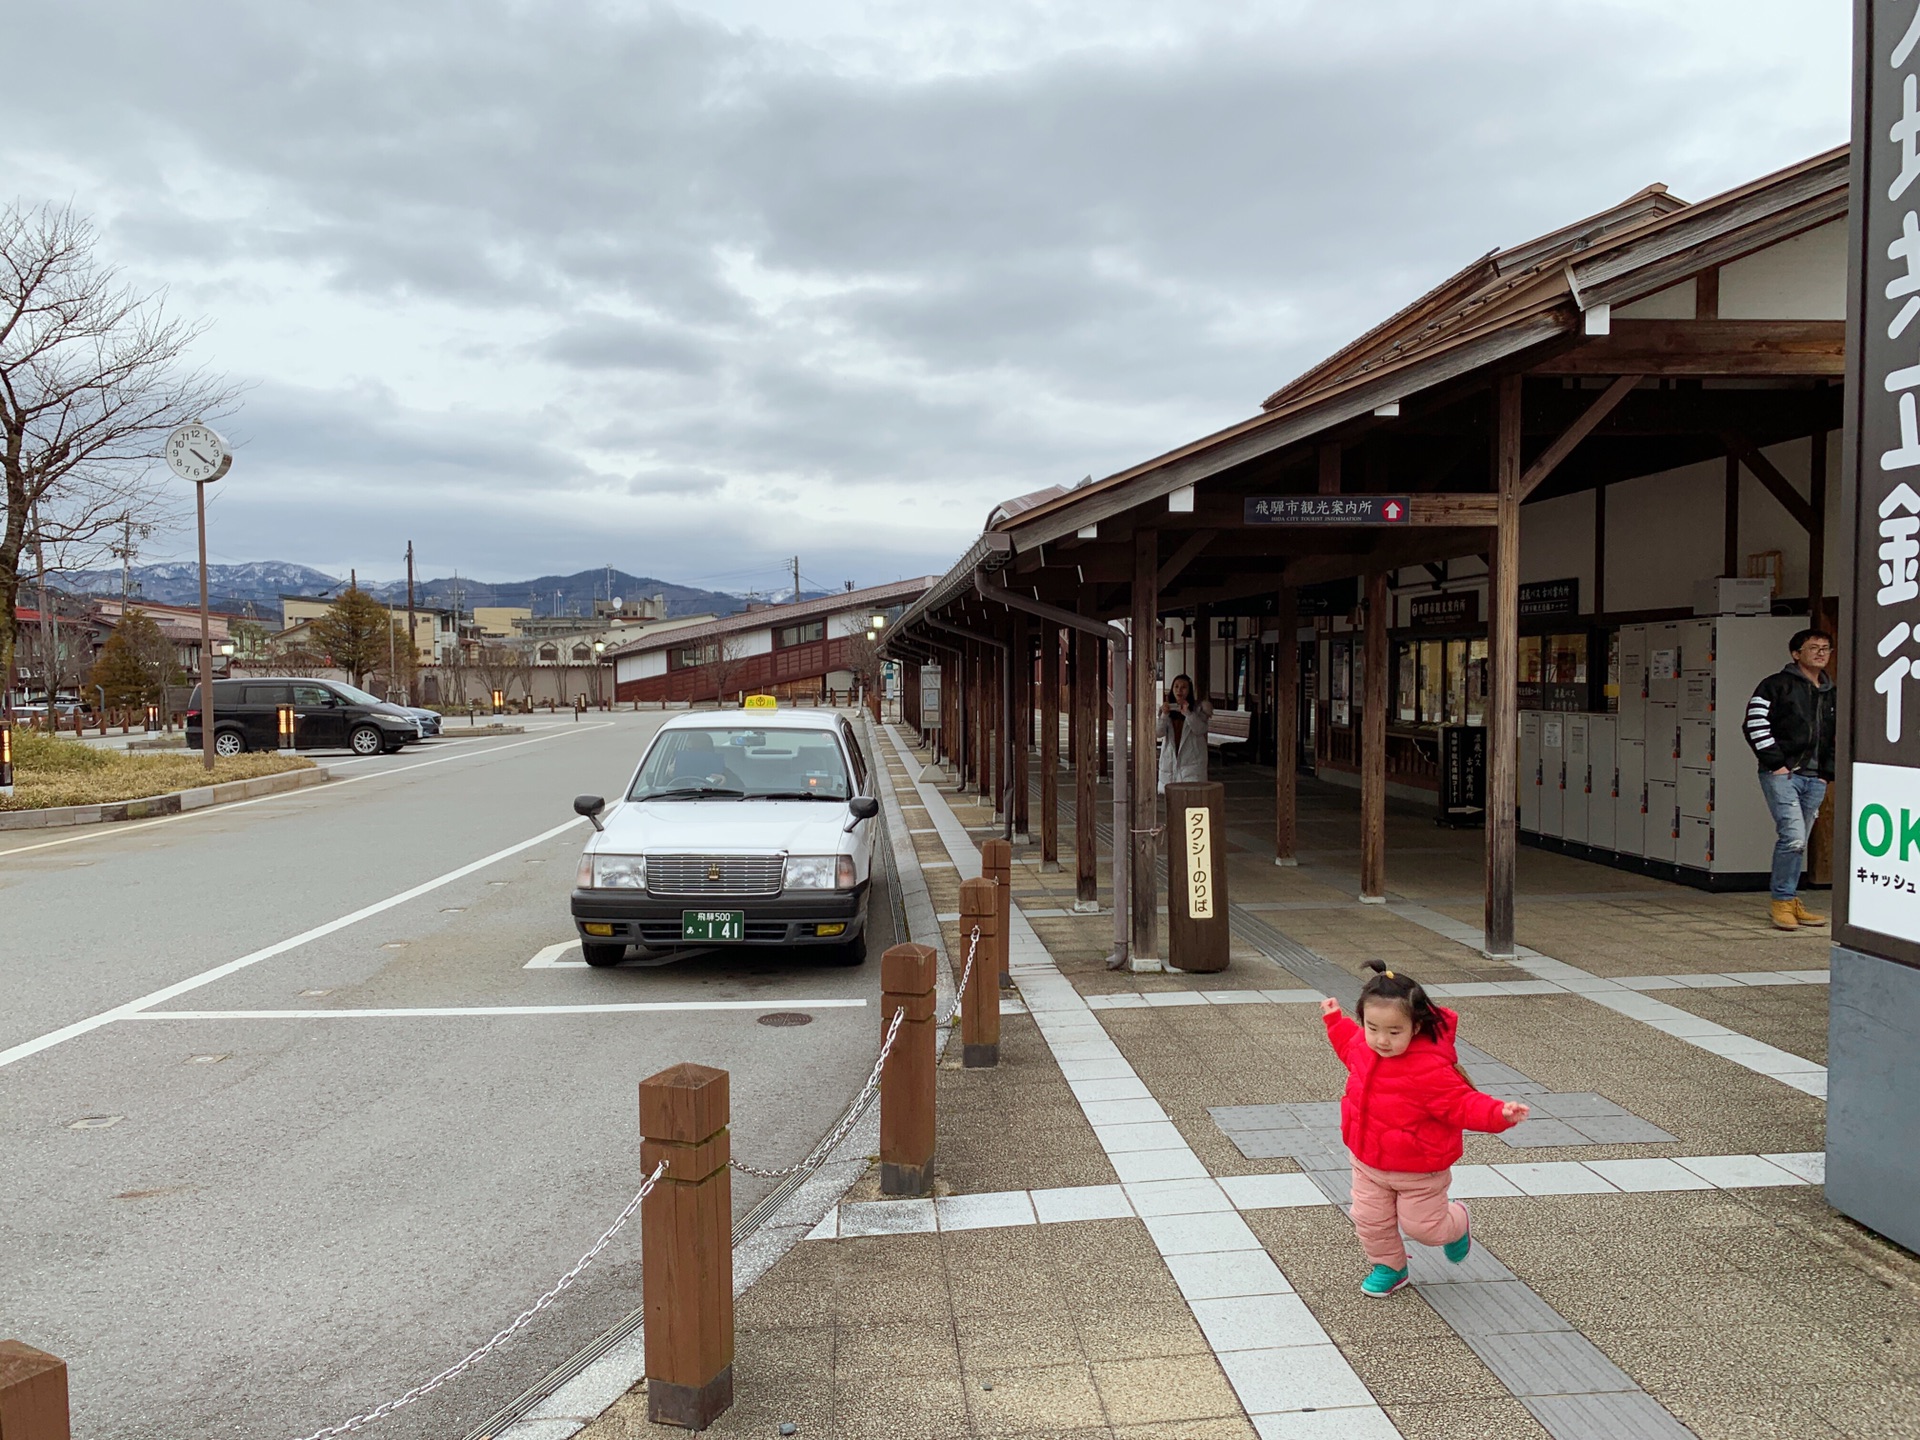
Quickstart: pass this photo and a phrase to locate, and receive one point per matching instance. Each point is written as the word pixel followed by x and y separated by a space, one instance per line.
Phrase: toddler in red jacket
pixel 1407 1103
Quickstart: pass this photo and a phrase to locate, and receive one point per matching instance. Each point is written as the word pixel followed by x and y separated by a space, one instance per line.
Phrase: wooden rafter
pixel 1575 433
pixel 1184 556
pixel 1777 484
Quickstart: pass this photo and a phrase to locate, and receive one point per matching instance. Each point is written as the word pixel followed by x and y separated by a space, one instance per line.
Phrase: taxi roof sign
pixel 760 702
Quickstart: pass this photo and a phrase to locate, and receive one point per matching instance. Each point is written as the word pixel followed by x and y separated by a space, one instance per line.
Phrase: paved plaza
pixel 1137 1228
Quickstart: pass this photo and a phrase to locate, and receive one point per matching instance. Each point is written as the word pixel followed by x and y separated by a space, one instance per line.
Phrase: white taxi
pixel 740 827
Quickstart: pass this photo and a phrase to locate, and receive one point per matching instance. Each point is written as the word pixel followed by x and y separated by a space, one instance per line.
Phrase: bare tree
pixel 295 660
pixel 729 654
pixel 498 667
pixel 91 381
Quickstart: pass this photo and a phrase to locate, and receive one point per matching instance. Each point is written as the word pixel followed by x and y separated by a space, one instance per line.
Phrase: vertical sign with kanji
pixel 1880 738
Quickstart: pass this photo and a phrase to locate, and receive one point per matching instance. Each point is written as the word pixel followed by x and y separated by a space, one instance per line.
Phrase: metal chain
pixel 851 1115
pixel 380 1412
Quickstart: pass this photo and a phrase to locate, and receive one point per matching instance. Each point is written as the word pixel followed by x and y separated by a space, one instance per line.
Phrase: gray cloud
pixel 633 276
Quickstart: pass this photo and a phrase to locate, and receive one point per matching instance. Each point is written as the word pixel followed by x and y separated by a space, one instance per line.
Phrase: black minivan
pixel 327 715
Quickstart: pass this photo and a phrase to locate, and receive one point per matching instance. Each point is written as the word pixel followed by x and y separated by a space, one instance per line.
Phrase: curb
pixel 170 804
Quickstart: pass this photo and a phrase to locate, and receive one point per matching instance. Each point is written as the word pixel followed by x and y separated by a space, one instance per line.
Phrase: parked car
pixel 429 720
pixel 327 715
pixel 738 828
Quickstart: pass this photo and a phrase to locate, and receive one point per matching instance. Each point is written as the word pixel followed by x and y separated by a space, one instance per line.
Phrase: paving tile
pixel 1122 1112
pixel 1080 1202
pixel 1105 1067
pixel 1233 997
pixel 1361 1422
pixel 1271 1192
pixel 887 1217
pixel 1554 1177
pixel 1297 1377
pixel 1558 1363
pixel 1196 1234
pixel 1179 1389
pixel 1293 997
pixel 1428 1265
pixel 1632 1415
pixel 1619 1130
pixel 1542 1134
pixel 983 1212
pixel 1221 1274
pixel 1126 1087
pixel 1640 1176
pixel 1134 1166
pixel 1497 1307
pixel 1809 1166
pixel 1472 1182
pixel 1739 1172
pixel 1576 1104
pixel 1257 1322
pixel 1161 999
pixel 1177 1197
pixel 1152 1135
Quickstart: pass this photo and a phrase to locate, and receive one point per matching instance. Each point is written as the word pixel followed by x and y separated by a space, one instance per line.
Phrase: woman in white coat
pixel 1183 735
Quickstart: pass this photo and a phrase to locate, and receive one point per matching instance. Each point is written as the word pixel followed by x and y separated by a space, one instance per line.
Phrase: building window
pixel 549 654
pixel 687 656
pixel 583 652
pixel 788 636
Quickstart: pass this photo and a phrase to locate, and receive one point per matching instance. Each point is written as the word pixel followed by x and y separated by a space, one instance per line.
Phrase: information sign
pixel 1327 510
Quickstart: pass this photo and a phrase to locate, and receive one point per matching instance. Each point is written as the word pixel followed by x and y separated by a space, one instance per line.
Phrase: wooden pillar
pixel 1817 537
pixel 1599 551
pixel 1075 663
pixel 1286 730
pixel 1373 747
pixel 1086 777
pixel 980 1002
pixel 995 768
pixel 1020 678
pixel 1503 662
pixel 1143 783
pixel 1103 708
pixel 686 1246
pixel 33 1394
pixel 996 864
pixel 1202 653
pixel 1049 747
pixel 906 1083
pixel 1730 513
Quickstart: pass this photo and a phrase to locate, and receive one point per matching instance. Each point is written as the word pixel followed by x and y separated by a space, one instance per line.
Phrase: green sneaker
pixel 1382 1281
pixel 1456 1250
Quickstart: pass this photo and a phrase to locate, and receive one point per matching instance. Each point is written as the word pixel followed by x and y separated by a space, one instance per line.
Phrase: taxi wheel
pixel 852 953
pixel 601 955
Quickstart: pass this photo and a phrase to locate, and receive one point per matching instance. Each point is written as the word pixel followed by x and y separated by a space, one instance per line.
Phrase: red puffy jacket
pixel 1406 1113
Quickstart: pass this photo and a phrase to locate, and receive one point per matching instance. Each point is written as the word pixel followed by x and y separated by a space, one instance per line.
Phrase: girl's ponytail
pixel 1398 989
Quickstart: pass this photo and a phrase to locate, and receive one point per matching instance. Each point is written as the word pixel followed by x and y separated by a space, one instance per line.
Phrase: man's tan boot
pixel 1783 915
pixel 1806 916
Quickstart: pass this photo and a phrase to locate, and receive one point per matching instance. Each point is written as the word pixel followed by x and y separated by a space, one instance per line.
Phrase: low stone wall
pixel 169 804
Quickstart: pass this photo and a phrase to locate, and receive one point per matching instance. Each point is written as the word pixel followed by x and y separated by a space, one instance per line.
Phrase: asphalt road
pixel 271 1224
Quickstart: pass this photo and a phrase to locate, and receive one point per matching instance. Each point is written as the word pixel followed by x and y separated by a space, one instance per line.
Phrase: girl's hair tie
pixel 1387 973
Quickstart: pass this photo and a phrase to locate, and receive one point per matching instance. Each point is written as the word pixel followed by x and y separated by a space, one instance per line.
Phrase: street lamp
pixel 6 758
pixel 878 622
pixel 599 650
pixel 199 455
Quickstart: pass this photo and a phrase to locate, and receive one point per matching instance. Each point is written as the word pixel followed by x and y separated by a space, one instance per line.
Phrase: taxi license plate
pixel 713 924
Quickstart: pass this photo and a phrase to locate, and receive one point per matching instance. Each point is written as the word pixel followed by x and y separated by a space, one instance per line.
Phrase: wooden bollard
pixel 980 1006
pixel 686 1246
pixel 906 1083
pixel 33 1394
pixel 996 864
pixel 1199 940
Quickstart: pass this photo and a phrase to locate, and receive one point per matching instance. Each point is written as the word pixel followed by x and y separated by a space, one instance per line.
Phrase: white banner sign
pixel 1883 885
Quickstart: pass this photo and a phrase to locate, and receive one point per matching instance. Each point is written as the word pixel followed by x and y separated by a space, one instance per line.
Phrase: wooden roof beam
pixel 1575 433
pixel 1777 484
pixel 1707 348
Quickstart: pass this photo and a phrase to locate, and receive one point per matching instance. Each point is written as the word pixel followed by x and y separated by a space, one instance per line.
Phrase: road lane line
pixel 294 942
pixel 553 957
pixel 610 1008
pixel 98 832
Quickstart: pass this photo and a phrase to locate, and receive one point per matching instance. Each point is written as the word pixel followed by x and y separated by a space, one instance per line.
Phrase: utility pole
pixel 796 579
pixel 414 651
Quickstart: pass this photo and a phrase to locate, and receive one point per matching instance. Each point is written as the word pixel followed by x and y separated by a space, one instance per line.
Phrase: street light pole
pixel 206 637
pixel 199 455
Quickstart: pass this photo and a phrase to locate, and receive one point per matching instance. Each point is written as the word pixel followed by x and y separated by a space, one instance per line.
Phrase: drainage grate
pixel 786 1017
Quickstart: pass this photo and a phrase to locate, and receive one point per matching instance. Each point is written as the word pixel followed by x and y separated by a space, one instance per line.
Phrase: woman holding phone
pixel 1183 734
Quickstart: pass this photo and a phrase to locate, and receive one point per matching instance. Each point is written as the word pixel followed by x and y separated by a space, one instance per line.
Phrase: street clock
pixel 197 453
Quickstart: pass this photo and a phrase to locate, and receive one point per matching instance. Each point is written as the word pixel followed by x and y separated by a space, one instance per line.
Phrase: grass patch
pixel 50 772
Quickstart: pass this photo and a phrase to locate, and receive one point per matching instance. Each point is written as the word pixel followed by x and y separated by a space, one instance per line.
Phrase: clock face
pixel 197 453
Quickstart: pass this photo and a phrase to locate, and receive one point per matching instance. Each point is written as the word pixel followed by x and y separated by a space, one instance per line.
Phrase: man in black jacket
pixel 1790 722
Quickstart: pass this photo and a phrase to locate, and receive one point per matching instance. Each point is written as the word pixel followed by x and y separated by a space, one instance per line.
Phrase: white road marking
pixel 437 1011
pixel 549 958
pixel 294 942
pixel 97 832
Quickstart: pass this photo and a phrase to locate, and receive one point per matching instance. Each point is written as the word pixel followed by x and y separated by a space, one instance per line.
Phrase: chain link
pixel 851 1116
pixel 380 1412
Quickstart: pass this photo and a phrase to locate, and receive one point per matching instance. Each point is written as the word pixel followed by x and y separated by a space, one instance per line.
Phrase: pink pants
pixel 1386 1202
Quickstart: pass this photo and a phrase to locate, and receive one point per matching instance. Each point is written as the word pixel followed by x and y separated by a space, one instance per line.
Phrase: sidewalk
pixel 1137 1232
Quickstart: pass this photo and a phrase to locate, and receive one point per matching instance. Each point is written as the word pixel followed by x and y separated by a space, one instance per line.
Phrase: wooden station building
pixel 1595 421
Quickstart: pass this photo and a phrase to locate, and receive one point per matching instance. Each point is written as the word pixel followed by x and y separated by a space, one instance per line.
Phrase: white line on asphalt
pixel 551 957
pixel 102 831
pixel 433 1012
pixel 207 977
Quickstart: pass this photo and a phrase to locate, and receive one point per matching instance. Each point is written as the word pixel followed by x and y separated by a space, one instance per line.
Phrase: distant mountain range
pixel 256 587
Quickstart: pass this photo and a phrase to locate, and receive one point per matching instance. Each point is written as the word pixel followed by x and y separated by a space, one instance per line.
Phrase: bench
pixel 1228 727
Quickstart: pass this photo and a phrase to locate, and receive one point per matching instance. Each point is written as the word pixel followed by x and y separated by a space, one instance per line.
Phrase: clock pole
pixel 206 636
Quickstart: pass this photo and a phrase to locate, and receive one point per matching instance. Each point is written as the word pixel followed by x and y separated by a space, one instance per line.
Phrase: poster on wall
pixel 1877 844
pixel 1342 714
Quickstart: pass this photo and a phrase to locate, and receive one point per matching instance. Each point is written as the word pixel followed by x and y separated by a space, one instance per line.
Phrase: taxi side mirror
pixel 590 806
pixel 863 807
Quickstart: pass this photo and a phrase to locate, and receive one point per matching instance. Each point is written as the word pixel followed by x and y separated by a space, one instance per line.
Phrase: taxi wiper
pixel 690 791
pixel 793 795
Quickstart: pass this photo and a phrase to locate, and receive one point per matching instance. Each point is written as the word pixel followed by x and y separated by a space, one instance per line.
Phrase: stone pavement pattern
pixel 1662 1265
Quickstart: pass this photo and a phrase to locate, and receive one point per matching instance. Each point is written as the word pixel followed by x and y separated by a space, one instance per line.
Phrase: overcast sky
pixel 691 288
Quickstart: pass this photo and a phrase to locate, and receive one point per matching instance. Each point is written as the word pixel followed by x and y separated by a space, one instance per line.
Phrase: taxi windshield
pixel 743 763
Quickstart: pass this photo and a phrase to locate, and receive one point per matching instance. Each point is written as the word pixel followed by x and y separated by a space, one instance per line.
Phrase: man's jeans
pixel 1794 801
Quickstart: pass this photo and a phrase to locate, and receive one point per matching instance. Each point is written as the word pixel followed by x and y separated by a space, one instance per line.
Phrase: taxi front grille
pixel 715 874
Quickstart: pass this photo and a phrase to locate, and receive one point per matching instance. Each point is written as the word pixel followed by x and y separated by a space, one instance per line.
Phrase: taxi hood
pixel 722 825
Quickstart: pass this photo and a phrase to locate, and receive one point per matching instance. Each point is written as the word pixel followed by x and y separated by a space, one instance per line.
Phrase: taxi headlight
pixel 819 872
pixel 619 872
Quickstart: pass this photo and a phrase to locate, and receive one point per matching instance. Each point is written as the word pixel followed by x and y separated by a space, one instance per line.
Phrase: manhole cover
pixel 786 1017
